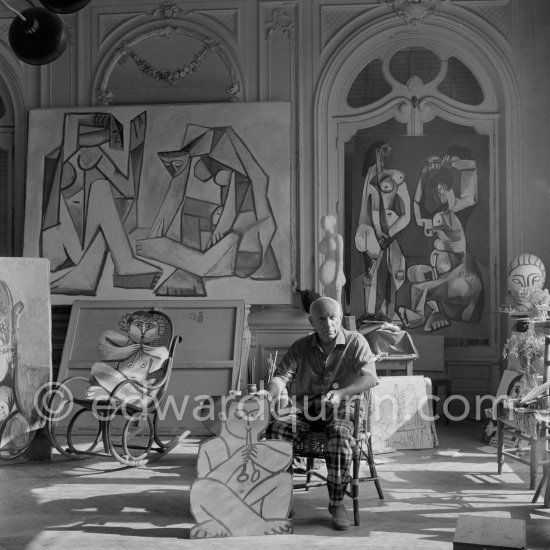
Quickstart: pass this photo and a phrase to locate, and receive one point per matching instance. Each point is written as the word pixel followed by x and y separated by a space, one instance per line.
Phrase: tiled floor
pixel 96 504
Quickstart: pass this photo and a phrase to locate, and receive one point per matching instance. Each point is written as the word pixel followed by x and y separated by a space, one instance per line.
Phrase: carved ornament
pixel 281 21
pixel 413 11
pixel 169 10
pixel 170 77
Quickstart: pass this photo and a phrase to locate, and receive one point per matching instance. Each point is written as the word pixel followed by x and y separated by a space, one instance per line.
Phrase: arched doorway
pixel 424 94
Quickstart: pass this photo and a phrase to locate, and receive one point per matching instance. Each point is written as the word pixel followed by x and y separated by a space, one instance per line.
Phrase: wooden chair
pixel 128 431
pixel 508 386
pixel 311 447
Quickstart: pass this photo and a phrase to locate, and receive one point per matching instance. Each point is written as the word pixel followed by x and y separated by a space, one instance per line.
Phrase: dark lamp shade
pixel 64 6
pixel 40 38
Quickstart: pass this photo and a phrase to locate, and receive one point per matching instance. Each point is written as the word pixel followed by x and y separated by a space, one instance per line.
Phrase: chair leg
pixel 372 468
pixel 355 485
pixel 310 463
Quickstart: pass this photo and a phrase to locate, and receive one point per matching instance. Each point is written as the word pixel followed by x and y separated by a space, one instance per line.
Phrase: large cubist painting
pixel 418 233
pixel 138 202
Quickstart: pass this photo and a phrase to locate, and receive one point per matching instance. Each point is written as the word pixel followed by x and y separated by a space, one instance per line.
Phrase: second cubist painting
pixel 138 202
pixel 418 233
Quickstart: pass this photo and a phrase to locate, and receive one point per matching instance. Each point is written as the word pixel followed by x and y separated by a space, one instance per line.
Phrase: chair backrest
pixel 360 424
pixel 163 338
pixel 161 377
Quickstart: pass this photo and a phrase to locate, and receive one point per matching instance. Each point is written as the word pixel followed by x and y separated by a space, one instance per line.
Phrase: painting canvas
pixel 139 202
pixel 418 233
pixel 210 360
pixel 400 415
pixel 25 351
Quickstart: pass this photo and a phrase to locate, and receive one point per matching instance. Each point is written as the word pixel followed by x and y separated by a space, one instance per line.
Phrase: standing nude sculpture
pixel 331 271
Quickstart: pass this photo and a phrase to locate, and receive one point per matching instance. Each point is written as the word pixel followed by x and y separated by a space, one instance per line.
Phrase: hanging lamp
pixel 64 6
pixel 38 35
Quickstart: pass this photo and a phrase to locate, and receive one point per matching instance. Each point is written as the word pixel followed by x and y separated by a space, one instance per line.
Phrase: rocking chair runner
pixel 127 430
pixel 311 447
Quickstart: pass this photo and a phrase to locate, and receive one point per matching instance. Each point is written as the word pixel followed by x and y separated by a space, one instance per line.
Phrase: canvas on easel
pixel 25 351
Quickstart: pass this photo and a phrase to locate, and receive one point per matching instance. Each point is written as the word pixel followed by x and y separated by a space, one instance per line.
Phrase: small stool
pixel 489 533
pixel 444 383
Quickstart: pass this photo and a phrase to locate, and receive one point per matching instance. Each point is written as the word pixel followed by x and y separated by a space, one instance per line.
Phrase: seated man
pixel 328 367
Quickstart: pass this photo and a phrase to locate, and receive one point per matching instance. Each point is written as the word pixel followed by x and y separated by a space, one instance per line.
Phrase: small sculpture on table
pixel 331 271
pixel 242 485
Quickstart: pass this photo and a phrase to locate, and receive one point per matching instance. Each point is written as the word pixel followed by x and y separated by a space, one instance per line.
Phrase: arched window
pixel 416 120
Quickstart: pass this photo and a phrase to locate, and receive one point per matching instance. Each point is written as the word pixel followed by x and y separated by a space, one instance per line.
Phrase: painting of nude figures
pixel 25 352
pixel 418 233
pixel 138 202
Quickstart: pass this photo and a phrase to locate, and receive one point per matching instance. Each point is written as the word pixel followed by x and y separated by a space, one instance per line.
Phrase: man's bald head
pixel 325 316
pixel 325 304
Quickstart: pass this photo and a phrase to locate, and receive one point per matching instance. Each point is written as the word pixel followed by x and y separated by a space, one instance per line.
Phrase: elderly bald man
pixel 327 367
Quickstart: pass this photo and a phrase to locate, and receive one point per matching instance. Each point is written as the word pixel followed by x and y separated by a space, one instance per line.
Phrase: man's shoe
pixel 340 521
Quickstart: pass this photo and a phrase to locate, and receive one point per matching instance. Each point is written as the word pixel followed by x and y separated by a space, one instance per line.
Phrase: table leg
pixel 535 443
pixel 500 445
pixel 547 491
pixel 541 486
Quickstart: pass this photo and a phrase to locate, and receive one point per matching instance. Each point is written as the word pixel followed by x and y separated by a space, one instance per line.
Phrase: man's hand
pixel 262 394
pixel 334 397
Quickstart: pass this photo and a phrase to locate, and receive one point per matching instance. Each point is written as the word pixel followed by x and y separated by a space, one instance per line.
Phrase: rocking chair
pixel 127 429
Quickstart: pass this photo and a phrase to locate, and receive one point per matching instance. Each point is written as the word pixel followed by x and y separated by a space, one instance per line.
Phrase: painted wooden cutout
pixel 242 486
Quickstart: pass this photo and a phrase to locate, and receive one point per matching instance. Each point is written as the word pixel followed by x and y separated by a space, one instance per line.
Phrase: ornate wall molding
pixel 168 10
pixel 228 18
pixel 105 96
pixel 110 22
pixel 281 21
pixel 497 14
pixel 4 29
pixel 335 18
pixel 171 77
pixel 413 11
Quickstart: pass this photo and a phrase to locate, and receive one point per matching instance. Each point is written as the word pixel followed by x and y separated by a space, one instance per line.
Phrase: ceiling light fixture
pixel 38 35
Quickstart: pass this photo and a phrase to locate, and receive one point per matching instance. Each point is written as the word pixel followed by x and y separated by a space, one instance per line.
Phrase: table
pixel 528 425
pixel 395 349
